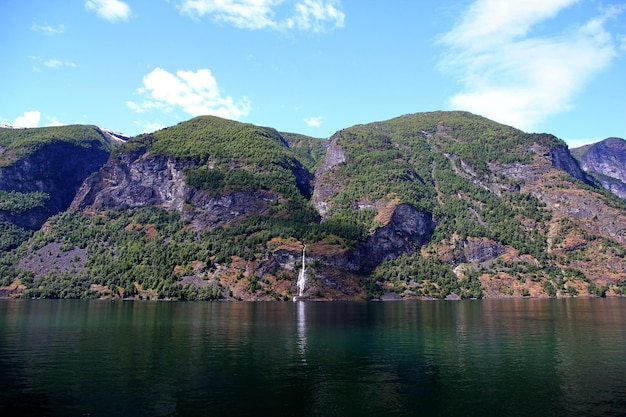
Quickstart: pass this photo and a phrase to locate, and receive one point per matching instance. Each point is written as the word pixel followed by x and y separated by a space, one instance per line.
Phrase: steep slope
pixel 40 171
pixel 210 170
pixel 428 205
pixel 310 151
pixel 606 162
pixel 193 211
pixel 508 207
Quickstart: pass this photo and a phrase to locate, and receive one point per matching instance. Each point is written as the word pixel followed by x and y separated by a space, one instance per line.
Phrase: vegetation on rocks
pixel 508 220
pixel 17 144
pixel 15 202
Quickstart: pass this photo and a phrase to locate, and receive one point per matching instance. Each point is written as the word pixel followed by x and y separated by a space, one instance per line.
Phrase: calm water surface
pixel 469 358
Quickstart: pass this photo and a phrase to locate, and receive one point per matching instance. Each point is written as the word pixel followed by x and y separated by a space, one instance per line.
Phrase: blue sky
pixel 315 66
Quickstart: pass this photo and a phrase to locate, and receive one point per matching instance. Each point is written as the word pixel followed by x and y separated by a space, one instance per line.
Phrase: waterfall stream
pixel 302 276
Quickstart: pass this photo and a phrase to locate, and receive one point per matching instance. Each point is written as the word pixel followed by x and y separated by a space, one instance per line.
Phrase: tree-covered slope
pixel 18 144
pixel 310 151
pixel 40 171
pixel 441 204
pixel 227 155
pixel 171 213
pixel 494 192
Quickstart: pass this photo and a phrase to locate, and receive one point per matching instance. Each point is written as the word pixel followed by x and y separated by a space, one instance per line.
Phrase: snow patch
pixel 113 135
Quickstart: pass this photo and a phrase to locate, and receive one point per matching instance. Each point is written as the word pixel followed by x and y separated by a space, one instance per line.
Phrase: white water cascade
pixel 302 277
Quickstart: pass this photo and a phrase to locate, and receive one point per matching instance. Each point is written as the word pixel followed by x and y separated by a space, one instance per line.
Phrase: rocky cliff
pixel 605 161
pixel 325 188
pixel 206 189
pixel 562 159
pixel 55 165
pixel 138 179
pixel 407 231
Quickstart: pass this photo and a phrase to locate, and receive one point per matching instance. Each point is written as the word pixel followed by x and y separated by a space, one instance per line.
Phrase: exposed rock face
pixel 607 157
pixel 542 181
pixel 138 179
pixel 324 189
pixel 303 179
pixel 606 162
pixel 474 250
pixel 562 159
pixel 407 231
pixel 617 187
pixel 57 169
pixel 206 210
pixel 133 181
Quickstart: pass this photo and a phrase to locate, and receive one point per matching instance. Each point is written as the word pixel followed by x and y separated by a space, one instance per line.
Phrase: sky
pixel 315 66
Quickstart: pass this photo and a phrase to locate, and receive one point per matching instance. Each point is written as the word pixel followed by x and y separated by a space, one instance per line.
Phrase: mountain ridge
pixel 426 205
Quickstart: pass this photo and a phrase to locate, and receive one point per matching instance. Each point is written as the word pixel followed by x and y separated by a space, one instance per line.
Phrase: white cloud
pixel 55 63
pixel 196 93
pixel 313 14
pixel 249 14
pixel 314 121
pixel 28 119
pixel 493 22
pixel 135 107
pixel 519 79
pixel 112 10
pixel 47 29
pixel 309 15
pixel 52 121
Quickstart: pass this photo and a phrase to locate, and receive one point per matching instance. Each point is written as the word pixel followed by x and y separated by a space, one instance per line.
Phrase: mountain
pixel 310 151
pixel 40 171
pixel 605 161
pixel 427 205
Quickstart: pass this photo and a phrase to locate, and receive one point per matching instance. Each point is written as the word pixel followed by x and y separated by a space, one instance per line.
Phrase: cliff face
pixel 606 162
pixel 564 200
pixel 138 179
pixel 57 169
pixel 407 231
pixel 562 159
pixel 134 180
pixel 325 187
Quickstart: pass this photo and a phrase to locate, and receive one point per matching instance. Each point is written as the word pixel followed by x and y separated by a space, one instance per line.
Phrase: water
pixel 469 358
pixel 301 283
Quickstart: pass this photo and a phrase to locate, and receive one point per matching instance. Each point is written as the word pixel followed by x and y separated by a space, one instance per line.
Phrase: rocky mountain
pixel 41 170
pixel 605 161
pixel 208 180
pixel 428 205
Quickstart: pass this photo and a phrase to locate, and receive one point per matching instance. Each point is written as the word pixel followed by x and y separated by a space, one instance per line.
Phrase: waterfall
pixel 302 277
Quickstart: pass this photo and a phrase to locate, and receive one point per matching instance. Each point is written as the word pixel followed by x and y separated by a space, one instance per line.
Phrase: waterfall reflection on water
pixel 302 338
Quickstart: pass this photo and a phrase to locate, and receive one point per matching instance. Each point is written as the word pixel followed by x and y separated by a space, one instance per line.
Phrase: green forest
pixel 17 144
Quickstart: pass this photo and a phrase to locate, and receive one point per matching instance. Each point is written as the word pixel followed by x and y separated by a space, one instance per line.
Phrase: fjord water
pixel 558 357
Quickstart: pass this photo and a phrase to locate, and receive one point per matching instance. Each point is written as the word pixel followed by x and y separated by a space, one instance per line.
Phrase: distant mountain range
pixel 426 205
pixel 605 161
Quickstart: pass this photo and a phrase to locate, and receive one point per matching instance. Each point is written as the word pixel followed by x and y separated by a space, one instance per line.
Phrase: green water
pixel 469 358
